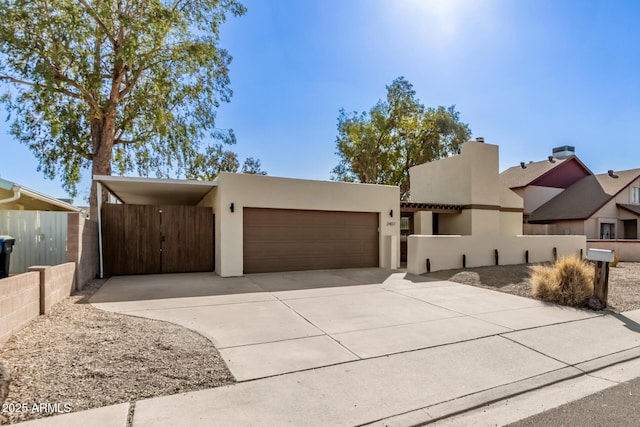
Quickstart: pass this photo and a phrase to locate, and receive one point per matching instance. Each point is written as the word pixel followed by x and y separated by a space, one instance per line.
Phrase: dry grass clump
pixel 568 282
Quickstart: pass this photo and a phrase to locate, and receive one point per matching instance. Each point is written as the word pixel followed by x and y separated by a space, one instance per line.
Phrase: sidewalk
pixel 532 359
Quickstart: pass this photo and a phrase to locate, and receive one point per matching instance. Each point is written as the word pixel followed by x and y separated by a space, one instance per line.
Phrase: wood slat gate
pixel 142 239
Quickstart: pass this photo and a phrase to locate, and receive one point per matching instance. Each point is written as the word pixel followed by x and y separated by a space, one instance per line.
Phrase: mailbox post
pixel 602 257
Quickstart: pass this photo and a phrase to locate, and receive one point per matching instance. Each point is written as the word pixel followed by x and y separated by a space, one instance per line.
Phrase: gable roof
pixel 631 208
pixel 546 173
pixel 612 185
pixel 516 176
pixel 584 198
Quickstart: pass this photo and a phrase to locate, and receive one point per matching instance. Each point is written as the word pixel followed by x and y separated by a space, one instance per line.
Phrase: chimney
pixel 522 165
pixel 479 139
pixel 564 151
pixel 611 174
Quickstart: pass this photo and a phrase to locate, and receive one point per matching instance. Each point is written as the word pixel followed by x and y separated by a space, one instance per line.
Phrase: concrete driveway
pixel 272 324
pixel 370 347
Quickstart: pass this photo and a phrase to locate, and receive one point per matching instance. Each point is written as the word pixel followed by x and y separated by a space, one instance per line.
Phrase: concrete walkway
pixel 373 346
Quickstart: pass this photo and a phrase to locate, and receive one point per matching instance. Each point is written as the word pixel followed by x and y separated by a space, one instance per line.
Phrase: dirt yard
pixel 86 358
pixel 624 282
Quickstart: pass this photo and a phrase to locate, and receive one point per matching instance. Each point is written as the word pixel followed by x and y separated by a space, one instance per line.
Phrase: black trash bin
pixel 6 247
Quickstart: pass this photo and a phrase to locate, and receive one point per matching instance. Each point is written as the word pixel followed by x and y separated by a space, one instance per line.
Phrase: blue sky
pixel 527 75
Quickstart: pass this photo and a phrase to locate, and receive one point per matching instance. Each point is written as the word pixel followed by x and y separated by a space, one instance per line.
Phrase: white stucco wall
pixel 445 252
pixel 255 191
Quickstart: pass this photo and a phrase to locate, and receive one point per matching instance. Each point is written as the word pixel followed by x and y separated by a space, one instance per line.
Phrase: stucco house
pixel 242 224
pixel 487 227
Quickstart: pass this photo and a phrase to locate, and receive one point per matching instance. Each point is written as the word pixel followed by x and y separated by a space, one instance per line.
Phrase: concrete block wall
pixel 25 296
pixel 82 247
pixel 19 303
pixel 56 283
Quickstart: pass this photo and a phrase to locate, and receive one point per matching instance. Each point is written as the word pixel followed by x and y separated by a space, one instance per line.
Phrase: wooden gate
pixel 141 239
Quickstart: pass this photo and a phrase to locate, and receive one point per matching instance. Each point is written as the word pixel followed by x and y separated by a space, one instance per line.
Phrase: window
pixel 404 228
pixel 607 231
pixel 635 195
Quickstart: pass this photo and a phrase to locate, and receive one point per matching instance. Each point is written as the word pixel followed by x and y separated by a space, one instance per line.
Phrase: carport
pixel 153 226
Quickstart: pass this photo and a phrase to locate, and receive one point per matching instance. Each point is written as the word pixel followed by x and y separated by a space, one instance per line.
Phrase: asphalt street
pixel 616 406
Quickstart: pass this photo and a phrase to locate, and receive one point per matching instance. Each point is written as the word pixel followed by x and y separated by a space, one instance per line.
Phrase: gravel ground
pixel 624 282
pixel 86 358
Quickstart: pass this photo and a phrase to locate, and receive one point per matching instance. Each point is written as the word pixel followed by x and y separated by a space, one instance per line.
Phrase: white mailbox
pixel 605 255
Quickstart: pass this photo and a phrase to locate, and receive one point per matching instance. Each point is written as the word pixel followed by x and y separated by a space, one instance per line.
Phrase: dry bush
pixel 569 281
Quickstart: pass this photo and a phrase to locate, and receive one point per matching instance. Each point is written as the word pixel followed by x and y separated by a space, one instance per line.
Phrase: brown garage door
pixel 290 240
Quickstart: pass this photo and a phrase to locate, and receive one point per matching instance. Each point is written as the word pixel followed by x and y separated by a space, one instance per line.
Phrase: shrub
pixel 569 281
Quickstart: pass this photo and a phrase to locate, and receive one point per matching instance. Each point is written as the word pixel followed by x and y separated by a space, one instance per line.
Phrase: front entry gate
pixel 140 239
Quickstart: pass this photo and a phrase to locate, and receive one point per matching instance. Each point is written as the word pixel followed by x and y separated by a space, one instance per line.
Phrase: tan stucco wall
pixel 256 191
pixel 470 178
pixel 510 199
pixel 535 196
pixel 510 223
pixel 455 223
pixel 484 222
pixel 423 222
pixel 445 252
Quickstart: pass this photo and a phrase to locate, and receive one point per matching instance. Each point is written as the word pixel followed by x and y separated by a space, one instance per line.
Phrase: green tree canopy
pixel 128 84
pixel 380 145
pixel 206 166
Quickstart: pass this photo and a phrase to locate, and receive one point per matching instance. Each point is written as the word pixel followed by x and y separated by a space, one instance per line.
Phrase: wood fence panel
pixel 187 239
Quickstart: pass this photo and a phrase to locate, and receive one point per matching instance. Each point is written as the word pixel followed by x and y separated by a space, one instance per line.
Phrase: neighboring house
pixel 539 182
pixel 19 198
pixel 48 231
pixel 562 196
pixel 605 206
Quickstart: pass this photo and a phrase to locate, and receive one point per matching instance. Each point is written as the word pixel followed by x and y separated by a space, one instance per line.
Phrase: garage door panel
pixel 285 233
pixel 329 249
pixel 289 240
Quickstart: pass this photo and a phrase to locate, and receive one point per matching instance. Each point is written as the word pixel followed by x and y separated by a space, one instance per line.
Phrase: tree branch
pixel 38 85
pixel 98 21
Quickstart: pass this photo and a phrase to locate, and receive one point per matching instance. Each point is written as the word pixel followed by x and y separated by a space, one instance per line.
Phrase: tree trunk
pixel 102 135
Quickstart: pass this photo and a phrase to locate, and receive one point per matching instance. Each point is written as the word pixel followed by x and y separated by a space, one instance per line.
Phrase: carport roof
pixel 155 191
